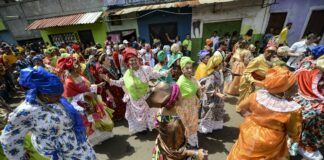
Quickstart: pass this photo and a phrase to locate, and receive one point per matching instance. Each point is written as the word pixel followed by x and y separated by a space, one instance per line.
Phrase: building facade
pixel 18 15
pixel 227 17
pixel 306 16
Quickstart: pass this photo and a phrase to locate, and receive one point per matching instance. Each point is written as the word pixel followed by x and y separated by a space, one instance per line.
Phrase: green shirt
pixel 187 43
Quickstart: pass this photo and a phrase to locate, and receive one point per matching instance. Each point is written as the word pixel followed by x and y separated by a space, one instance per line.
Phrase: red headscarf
pixel 65 63
pixel 75 47
pixel 129 53
pixel 308 83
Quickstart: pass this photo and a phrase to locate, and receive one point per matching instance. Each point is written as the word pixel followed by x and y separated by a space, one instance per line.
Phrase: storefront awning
pixel 151 7
pixel 191 3
pixel 68 20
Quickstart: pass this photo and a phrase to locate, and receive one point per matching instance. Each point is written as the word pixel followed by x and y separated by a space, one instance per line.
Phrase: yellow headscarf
pixel 185 60
pixel 213 62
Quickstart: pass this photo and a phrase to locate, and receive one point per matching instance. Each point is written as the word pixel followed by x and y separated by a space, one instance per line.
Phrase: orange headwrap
pixel 209 42
pixel 278 80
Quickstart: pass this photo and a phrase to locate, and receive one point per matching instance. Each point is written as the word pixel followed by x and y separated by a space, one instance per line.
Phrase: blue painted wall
pixel 6 36
pixel 183 21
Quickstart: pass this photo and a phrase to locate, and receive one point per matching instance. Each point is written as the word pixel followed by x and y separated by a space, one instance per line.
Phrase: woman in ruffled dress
pixel 188 111
pixel 171 141
pixel 112 95
pixel 212 112
pixel 83 96
pixel 56 127
pixel 240 61
pixel 311 97
pixel 271 116
pixel 136 84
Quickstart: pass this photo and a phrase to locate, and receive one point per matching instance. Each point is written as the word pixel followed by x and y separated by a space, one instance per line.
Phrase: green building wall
pixel 99 31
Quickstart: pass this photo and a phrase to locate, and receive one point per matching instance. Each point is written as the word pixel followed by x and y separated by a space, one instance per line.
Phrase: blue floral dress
pixel 51 130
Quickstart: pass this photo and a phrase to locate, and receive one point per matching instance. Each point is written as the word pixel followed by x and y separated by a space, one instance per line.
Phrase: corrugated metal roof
pixel 151 7
pixel 190 3
pixel 74 19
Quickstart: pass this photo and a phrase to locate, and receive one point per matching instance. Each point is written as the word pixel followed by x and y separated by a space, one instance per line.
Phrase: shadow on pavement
pixel 146 135
pixel 122 122
pixel 116 151
pixel 214 142
pixel 231 100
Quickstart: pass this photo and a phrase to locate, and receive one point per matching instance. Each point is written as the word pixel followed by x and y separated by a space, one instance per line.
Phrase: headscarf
pixel 173 58
pixel 202 54
pixel 37 58
pixel 166 48
pixel 75 47
pixel 213 62
pixel 308 83
pixel 64 55
pixel 283 51
pixel 278 80
pixel 39 81
pixel 320 63
pixel 161 56
pixel 129 53
pixel 65 63
pixel 62 50
pixel 184 61
pixel 209 42
pixel 318 51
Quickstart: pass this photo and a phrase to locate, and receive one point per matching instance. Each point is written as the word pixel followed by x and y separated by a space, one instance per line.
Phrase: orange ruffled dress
pixel 240 59
pixel 263 134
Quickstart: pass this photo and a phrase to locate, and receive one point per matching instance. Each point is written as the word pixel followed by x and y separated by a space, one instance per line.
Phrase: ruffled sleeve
pixel 12 139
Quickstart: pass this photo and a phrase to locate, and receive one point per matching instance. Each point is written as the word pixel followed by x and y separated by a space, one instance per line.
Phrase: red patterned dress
pixel 117 102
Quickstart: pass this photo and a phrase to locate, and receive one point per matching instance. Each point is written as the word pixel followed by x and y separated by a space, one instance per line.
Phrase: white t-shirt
pixel 298 47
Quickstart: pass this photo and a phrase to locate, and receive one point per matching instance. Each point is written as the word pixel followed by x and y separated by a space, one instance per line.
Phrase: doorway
pixel 277 22
pixel 315 24
pixel 86 37
pixel 160 30
pixel 221 28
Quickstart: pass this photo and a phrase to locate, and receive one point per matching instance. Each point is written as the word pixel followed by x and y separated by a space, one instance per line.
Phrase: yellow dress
pixel 240 58
pixel 201 71
pixel 254 72
pixel 263 134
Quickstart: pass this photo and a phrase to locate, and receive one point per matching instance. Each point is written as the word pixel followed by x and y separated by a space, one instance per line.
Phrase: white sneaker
pixel 310 155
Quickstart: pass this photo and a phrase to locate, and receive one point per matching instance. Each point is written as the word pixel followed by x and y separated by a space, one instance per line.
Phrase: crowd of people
pixel 73 96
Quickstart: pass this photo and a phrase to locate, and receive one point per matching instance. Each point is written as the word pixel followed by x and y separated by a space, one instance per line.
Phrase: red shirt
pixel 116 58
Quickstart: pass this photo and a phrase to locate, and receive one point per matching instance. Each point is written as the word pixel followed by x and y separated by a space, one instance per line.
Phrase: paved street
pixel 139 147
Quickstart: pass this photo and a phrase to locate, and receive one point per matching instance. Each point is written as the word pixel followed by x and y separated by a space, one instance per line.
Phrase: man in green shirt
pixel 187 44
